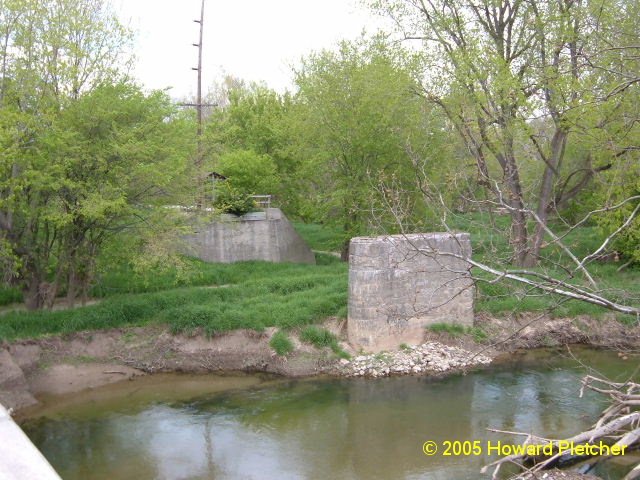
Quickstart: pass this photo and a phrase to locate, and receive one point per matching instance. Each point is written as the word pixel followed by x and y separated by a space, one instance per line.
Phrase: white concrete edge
pixel 19 458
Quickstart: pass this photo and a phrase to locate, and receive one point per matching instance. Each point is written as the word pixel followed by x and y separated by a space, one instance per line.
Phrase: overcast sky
pixel 256 40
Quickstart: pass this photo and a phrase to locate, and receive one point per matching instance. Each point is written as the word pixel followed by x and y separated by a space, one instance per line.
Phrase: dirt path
pixel 59 304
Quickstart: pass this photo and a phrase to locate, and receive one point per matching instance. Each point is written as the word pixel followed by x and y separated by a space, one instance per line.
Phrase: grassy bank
pixel 122 279
pixel 245 295
pixel 219 297
pixel 320 237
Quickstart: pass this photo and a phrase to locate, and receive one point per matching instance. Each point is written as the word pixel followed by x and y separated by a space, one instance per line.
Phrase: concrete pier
pixel 400 284
pixel 19 458
pixel 267 235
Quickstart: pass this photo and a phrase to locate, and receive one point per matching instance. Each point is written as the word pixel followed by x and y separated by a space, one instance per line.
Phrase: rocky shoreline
pixel 428 358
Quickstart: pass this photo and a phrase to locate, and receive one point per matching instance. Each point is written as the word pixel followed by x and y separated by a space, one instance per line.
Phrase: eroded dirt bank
pixel 62 365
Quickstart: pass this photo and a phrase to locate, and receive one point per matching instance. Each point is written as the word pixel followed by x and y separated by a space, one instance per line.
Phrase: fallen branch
pixel 618 426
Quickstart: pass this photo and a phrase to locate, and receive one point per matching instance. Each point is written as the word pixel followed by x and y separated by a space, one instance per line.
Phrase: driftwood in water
pixel 617 429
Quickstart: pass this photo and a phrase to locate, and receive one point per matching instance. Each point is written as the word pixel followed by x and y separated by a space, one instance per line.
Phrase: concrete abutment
pixel 400 284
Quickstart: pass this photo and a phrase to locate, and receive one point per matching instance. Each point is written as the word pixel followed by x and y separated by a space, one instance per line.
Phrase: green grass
pixel 124 279
pixel 456 330
pixel 321 237
pixel 263 295
pixel 281 343
pixel 490 244
pixel 508 297
pixel 9 296
pixel 321 338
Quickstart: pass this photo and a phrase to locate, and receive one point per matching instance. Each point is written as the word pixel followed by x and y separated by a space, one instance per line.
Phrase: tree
pixel 251 124
pixel 85 154
pixel 520 81
pixel 248 171
pixel 53 50
pixel 101 167
pixel 355 118
pixel 126 151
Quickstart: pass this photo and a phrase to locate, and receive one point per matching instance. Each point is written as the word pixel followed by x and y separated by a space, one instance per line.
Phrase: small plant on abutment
pixel 456 330
pixel 452 329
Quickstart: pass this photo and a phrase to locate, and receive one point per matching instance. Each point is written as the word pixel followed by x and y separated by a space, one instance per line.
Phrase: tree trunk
pixel 558 144
pixel 73 284
pixel 520 241
pixel 519 233
pixel 344 252
pixel 32 294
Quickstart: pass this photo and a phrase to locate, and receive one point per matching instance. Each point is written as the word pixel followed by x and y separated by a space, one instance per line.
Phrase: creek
pixel 259 427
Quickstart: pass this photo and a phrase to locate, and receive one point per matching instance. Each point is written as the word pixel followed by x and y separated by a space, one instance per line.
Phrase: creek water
pixel 259 427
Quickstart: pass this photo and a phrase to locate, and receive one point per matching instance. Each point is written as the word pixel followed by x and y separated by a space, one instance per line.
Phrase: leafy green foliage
pixel 86 156
pixel 619 184
pixel 112 156
pixel 230 199
pixel 281 343
pixel 352 120
pixel 88 162
pixel 539 124
pixel 248 171
pixel 249 139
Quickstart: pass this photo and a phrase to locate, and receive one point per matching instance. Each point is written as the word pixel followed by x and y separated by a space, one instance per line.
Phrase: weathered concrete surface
pixel 265 236
pixel 399 284
pixel 19 458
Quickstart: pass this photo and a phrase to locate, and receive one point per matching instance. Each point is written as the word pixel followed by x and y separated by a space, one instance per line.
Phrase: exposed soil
pixel 531 330
pixel 71 363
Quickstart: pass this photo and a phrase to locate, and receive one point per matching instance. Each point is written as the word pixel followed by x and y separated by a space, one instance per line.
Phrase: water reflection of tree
pixel 317 429
pixel 92 449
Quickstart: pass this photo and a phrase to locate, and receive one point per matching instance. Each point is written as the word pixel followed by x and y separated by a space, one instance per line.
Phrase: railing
pixel 262 201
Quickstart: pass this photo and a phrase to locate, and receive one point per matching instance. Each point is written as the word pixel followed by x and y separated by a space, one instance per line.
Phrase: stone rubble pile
pixel 430 357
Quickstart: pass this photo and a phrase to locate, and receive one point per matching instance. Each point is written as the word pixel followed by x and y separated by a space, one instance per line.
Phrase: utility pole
pixel 199 94
pixel 199 160
pixel 200 178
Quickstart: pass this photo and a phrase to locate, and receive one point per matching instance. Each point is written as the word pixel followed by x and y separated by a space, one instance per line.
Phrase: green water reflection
pixel 317 429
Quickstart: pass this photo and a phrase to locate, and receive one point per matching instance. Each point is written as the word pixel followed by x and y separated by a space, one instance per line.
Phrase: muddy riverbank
pixel 61 365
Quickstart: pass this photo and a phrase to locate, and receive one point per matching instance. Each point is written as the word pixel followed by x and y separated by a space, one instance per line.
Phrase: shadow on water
pixel 257 427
